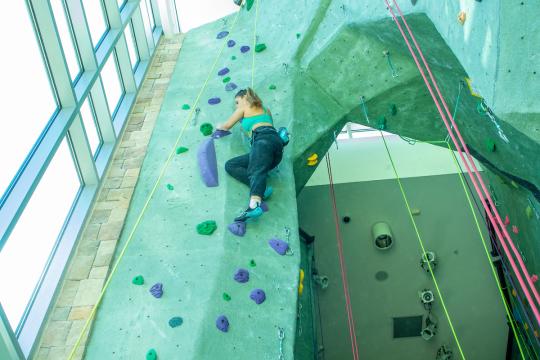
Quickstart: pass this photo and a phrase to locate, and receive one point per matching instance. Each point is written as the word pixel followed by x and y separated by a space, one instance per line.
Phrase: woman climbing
pixel 265 154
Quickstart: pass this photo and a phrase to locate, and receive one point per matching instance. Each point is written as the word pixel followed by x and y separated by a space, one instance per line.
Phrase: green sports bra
pixel 249 122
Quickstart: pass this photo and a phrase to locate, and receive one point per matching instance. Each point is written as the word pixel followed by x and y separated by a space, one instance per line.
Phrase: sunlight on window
pixel 121 3
pixel 90 126
pixel 111 83
pixel 65 38
pixel 27 98
pixel 26 252
pixel 146 21
pixel 132 46
pixel 150 11
pixel 96 19
pixel 192 14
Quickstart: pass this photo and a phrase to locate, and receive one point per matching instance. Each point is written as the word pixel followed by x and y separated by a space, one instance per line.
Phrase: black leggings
pixel 252 169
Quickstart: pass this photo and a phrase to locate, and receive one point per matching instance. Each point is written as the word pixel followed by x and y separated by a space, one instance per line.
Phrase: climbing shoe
pixel 250 214
pixel 268 192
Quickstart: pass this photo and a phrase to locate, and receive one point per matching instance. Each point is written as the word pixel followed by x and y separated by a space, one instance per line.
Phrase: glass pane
pixel 111 83
pixel 96 19
pixel 192 14
pixel 65 37
pixel 150 11
pixel 121 3
pixel 25 254
pixel 132 46
pixel 27 100
pixel 90 126
pixel 146 21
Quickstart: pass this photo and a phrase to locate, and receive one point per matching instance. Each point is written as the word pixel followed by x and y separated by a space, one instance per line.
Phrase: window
pixel 192 14
pixel 146 21
pixel 27 99
pixel 132 46
pixel 90 126
pixel 121 3
pixel 111 83
pixel 66 38
pixel 27 250
pixel 150 12
pixel 96 19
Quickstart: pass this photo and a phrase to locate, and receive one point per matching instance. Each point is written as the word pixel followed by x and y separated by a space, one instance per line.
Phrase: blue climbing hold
pixel 279 246
pixel 222 34
pixel 214 101
pixel 222 323
pixel 223 71
pixel 230 86
pixel 244 49
pixel 176 321
pixel 218 134
pixel 231 43
pixel 238 228
pixel 242 276
pixel 258 296
pixel 157 290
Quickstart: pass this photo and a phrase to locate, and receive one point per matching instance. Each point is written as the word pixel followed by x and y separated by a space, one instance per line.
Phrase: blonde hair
pixel 251 96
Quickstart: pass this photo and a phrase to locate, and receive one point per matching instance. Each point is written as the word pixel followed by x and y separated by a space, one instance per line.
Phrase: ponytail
pixel 252 98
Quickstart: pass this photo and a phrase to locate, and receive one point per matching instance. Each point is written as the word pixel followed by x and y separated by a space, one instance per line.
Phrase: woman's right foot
pixel 268 192
pixel 249 214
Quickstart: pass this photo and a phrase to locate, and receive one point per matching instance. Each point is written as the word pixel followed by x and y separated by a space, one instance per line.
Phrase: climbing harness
pixel 281 338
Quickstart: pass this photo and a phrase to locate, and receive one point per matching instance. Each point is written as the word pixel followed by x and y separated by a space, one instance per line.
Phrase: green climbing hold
pixel 252 263
pixel 298 35
pixel 226 297
pixel 514 184
pixel 233 57
pixel 151 355
pixel 490 145
pixel 170 187
pixel 181 149
pixel 185 107
pixel 393 109
pixel 249 4
pixel 207 227
pixel 260 48
pixel 529 212
pixel 207 129
pixel 138 280
pixel 272 87
pixel 381 123
pixel 226 80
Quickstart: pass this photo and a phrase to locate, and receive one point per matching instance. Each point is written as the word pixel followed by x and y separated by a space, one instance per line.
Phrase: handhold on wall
pixel 526 326
pixel 249 4
pixel 279 246
pixel 462 17
pixel 302 275
pixel 298 35
pixel 222 323
pixel 529 212
pixel 244 49
pixel 207 227
pixel 506 220
pixel 252 263
pixel 176 321
pixel 170 187
pixel 415 211
pixel 258 296
pixel 260 47
pixel 226 79
pixel 233 57
pixel 514 184
pixel 381 123
pixel 514 292
pixel 219 133
pixel 138 280
pixel 490 145
pixel 226 297
pixel 151 354
pixel 534 278
pixel 393 109
pixel 300 289
pixel 238 228
pixel 312 163
pixel 181 149
pixel 272 87
pixel 222 34
pixel 230 86
pixel 185 107
pixel 515 229
pixel 157 290
pixel 231 43
pixel 214 101
pixel 223 71
pixel 206 129
pixel 241 276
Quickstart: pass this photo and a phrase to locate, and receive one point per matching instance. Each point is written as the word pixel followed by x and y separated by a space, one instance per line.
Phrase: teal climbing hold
pixel 176 321
pixel 529 212
pixel 226 80
pixel 298 35
pixel 490 145
pixel 272 87
pixel 138 280
pixel 381 123
pixel 260 48
pixel 170 187
pixel 207 129
pixel 393 109
pixel 249 4
pixel 233 57
pixel 151 354
pixel 181 150
pixel 252 263
pixel 207 227
pixel 226 297
pixel 185 107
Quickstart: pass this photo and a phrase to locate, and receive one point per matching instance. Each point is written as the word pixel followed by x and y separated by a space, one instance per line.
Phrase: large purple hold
pixel 222 34
pixel 238 228
pixel 218 134
pixel 244 49
pixel 206 157
pixel 231 43
pixel 223 71
pixel 279 246
pixel 242 276
pixel 214 101
pixel 258 296
pixel 157 290
pixel 222 323
pixel 230 86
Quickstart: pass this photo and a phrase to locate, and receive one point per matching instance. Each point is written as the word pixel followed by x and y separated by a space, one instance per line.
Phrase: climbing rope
pixel 461 85
pixel 494 217
pixel 343 268
pixel 154 188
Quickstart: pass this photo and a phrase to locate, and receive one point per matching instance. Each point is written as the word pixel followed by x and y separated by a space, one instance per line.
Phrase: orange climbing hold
pixel 462 17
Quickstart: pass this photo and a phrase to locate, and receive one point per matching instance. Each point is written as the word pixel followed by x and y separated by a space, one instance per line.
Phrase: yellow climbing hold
pixel 313 157
pixel 302 275
pixel 300 289
pixel 514 292
pixel 462 17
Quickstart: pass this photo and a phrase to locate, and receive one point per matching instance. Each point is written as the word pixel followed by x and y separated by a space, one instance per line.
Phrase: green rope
pixel 422 246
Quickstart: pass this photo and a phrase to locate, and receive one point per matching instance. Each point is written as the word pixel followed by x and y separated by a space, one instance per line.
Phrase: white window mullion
pixel 83 153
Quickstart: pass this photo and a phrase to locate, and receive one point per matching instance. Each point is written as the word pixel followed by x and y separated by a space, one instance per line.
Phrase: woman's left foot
pixel 250 214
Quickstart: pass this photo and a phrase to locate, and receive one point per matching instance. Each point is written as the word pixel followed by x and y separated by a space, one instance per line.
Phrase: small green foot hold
pixel 381 123
pixel 170 187
pixel 249 4
pixel 252 263
pixel 138 280
pixel 176 321
pixel 393 109
pixel 514 184
pixel 226 80
pixel 151 354
pixel 226 297
pixel 185 107
pixel 260 48
pixel 529 212
pixel 233 57
pixel 490 145
pixel 298 35
pixel 207 227
pixel 207 129
pixel 272 87
pixel 181 150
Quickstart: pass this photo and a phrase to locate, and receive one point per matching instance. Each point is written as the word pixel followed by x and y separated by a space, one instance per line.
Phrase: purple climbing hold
pixel 231 43
pixel 206 157
pixel 214 101
pixel 264 207
pixel 279 246
pixel 222 323
pixel 222 34
pixel 218 134
pixel 230 86
pixel 238 228
pixel 223 71
pixel 157 290
pixel 244 49
pixel 242 276
pixel 258 296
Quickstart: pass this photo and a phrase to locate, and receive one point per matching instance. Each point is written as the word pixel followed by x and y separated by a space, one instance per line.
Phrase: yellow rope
pixel 130 237
pixel 422 246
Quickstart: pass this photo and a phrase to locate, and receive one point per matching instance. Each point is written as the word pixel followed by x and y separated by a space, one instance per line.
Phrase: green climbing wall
pixel 321 57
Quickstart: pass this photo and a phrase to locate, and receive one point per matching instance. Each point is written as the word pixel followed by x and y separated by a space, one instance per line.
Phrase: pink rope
pixel 343 268
pixel 476 172
pixel 512 263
